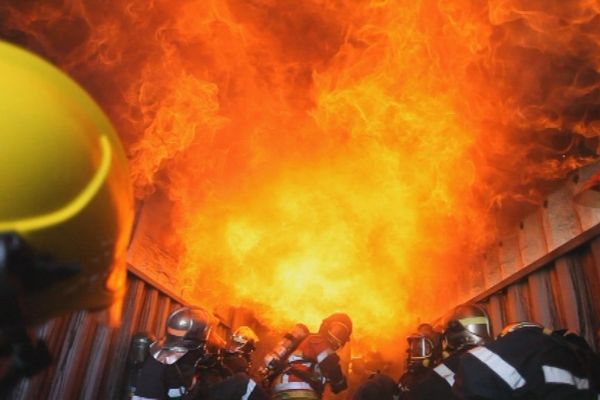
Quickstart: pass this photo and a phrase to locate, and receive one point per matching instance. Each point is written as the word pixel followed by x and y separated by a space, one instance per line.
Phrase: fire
pixel 323 156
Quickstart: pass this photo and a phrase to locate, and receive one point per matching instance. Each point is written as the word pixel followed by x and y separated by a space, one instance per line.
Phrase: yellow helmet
pixel 64 184
pixel 244 336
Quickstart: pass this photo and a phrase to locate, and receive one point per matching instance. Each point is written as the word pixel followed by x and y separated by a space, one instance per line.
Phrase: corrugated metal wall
pixel 90 358
pixel 547 269
pixel 563 294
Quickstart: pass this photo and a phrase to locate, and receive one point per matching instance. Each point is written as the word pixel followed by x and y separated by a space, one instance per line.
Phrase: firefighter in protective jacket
pixel 529 361
pixel 178 362
pixel 315 364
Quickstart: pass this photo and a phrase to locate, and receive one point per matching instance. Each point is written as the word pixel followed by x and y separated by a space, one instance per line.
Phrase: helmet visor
pixel 419 347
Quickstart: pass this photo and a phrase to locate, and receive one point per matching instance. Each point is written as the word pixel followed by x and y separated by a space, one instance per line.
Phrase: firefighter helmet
pixel 520 325
pixel 337 329
pixel 244 339
pixel 468 325
pixel 65 191
pixel 420 348
pixel 187 329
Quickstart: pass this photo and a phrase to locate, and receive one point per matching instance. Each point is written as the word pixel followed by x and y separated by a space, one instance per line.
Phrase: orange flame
pixel 322 156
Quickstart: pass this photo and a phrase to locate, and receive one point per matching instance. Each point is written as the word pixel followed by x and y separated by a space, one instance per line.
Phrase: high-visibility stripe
pixel 281 387
pixel 176 392
pixel 559 375
pixel 72 208
pixel 500 367
pixel 446 373
pixel 473 320
pixel 249 389
pixel 324 354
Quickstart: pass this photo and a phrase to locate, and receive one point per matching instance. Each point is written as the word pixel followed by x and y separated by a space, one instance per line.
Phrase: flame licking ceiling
pixel 332 155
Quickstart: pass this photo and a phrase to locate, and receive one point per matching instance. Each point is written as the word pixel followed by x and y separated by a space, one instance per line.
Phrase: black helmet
pixel 424 347
pixel 468 325
pixel 420 348
pixel 140 345
pixel 187 329
pixel 337 329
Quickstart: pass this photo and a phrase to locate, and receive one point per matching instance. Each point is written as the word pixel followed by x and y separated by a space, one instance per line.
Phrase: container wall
pixel 546 269
pixel 90 358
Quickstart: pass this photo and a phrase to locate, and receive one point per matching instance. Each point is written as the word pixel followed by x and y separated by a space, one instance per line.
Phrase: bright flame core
pixel 325 156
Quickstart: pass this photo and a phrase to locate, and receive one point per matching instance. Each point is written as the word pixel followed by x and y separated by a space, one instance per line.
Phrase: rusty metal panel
pixel 96 363
pixel 491 272
pixel 148 313
pixel 595 254
pixel 588 216
pixel 532 242
pixel 509 255
pixel 476 279
pixel 496 312
pixel 69 372
pixel 517 303
pixel 162 312
pixel 591 266
pixel 577 295
pixel 541 300
pixel 560 221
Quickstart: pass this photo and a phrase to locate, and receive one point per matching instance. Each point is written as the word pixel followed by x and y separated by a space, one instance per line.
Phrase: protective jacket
pixel 438 381
pixel 237 387
pixel 158 381
pixel 179 381
pixel 310 367
pixel 530 363
pixel 411 378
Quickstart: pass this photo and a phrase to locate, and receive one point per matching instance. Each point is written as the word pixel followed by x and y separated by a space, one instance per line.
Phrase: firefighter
pixel 66 207
pixel 237 357
pixel 424 352
pixel 467 326
pixel 314 363
pixel 237 362
pixel 529 361
pixel 184 360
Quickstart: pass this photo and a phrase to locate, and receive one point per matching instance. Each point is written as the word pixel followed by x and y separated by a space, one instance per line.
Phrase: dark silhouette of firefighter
pixel 424 352
pixel 303 363
pixel 529 361
pixel 184 360
pixel 66 207
pixel 467 326
pixel 237 357
pixel 188 363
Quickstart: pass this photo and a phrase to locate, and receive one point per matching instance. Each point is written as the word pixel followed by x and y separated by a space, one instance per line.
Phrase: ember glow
pixel 320 155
